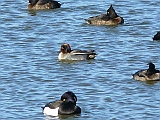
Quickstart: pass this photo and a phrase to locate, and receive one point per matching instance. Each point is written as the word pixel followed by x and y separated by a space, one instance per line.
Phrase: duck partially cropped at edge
pixel 65 106
pixel 68 54
pixel 111 18
pixel 43 4
pixel 157 36
pixel 150 74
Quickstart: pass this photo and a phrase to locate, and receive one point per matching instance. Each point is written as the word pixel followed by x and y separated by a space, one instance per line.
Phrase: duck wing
pixel 54 104
pixel 104 17
pixel 141 73
pixel 83 52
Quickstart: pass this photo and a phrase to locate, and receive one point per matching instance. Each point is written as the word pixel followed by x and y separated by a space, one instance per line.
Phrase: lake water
pixel 32 76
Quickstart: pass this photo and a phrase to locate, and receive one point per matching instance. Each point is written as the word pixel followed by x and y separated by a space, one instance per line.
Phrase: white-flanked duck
pixel 65 106
pixel 111 18
pixel 43 4
pixel 68 54
pixel 151 74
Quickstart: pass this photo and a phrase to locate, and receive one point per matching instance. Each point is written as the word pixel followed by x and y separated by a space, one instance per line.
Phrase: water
pixel 31 74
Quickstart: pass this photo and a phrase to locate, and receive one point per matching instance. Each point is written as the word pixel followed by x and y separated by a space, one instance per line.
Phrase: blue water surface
pixel 32 76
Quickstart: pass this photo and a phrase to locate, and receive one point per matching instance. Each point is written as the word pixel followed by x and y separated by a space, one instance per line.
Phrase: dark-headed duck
pixel 157 36
pixel 43 4
pixel 111 18
pixel 151 74
pixel 68 54
pixel 65 106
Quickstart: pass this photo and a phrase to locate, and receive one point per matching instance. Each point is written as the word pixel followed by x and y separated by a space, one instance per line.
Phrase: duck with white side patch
pixel 51 112
pixel 65 106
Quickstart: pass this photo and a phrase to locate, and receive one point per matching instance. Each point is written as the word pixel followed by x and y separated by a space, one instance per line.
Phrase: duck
pixel 157 36
pixel 67 54
pixel 150 74
pixel 110 18
pixel 43 4
pixel 65 106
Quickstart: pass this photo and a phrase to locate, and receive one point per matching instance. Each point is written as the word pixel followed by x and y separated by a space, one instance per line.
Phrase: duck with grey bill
pixel 65 106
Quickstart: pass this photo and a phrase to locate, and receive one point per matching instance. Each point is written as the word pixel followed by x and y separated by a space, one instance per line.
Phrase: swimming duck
pixel 43 4
pixel 68 54
pixel 65 106
pixel 147 75
pixel 111 18
pixel 157 36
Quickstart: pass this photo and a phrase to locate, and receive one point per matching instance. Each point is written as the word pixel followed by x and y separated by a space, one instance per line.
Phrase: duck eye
pixel 64 100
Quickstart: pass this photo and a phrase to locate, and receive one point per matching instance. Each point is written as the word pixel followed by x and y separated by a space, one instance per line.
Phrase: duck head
pixel 111 12
pixel 69 97
pixel 151 70
pixel 65 48
pixel 151 66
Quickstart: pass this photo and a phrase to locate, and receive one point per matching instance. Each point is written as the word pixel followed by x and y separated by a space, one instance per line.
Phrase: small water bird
pixel 43 4
pixel 150 74
pixel 111 18
pixel 157 36
pixel 65 106
pixel 68 54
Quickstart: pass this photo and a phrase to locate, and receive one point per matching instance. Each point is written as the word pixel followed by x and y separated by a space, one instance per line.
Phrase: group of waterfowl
pixel 110 18
pixel 67 104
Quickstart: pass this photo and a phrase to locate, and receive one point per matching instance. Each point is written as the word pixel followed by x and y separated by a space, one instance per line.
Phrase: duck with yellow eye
pixel 65 106
pixel 111 18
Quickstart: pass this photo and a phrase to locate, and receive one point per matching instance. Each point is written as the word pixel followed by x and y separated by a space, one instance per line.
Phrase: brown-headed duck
pixel 68 54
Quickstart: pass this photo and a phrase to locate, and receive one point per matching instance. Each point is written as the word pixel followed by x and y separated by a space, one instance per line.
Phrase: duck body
pixel 157 36
pixel 65 106
pixel 68 54
pixel 111 18
pixel 43 4
pixel 150 74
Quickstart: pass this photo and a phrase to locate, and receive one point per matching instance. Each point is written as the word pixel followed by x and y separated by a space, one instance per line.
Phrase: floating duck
pixel 111 18
pixel 43 4
pixel 68 54
pixel 65 106
pixel 151 74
